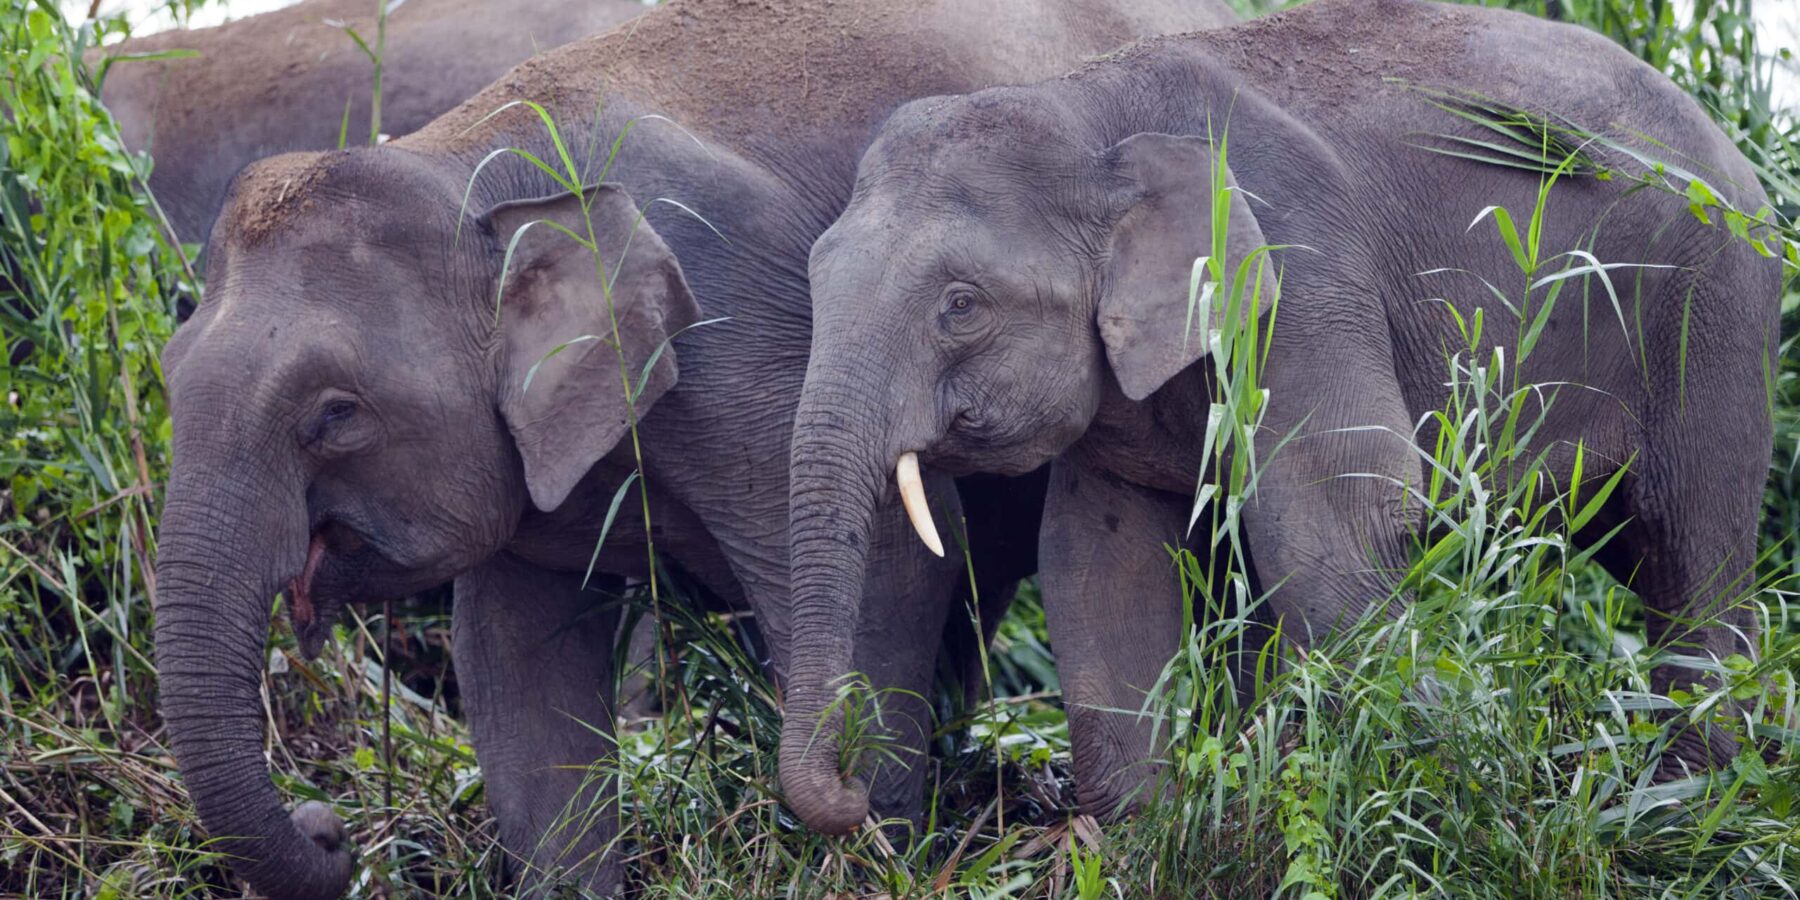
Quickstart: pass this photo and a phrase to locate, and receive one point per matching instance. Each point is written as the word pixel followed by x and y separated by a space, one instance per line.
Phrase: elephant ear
pixel 1164 209
pixel 559 385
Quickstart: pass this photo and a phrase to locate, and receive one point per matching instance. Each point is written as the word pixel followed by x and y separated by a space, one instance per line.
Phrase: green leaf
pixel 1503 221
pixel 612 512
pixel 1749 764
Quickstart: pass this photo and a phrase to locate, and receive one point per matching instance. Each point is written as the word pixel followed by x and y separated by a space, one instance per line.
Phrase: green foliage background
pixel 89 801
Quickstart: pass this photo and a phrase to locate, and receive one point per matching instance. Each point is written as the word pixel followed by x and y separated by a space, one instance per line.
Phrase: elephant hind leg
pixel 1690 550
pixel 533 656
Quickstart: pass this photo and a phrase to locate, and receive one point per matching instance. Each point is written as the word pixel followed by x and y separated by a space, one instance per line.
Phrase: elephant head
pixel 355 418
pixel 1000 270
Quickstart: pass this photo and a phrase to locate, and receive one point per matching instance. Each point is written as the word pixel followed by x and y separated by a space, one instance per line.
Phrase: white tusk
pixel 912 495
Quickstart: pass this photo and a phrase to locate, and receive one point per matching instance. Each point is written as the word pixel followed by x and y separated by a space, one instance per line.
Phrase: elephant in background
pixel 353 421
pixel 285 80
pixel 1009 286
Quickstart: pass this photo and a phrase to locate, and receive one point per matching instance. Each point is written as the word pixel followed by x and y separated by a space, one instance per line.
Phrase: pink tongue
pixel 300 589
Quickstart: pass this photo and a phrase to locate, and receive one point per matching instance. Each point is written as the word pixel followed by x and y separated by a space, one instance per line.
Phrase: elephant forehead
pixel 369 192
pixel 907 266
pixel 884 246
pixel 990 118
pixel 957 237
pixel 326 272
pixel 253 343
pixel 267 195
pixel 252 286
pixel 286 312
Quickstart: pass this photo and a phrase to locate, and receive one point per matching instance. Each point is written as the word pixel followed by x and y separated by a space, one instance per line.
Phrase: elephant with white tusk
pixel 1009 287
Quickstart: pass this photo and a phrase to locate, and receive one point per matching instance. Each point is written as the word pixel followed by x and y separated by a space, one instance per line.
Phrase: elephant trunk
pixel 838 472
pixel 217 575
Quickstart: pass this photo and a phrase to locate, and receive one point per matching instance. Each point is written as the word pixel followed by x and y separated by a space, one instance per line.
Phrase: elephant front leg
pixel 533 656
pixel 1112 600
pixel 907 594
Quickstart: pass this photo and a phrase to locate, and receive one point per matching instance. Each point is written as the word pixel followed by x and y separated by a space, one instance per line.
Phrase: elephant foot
pixel 1696 749
pixel 607 879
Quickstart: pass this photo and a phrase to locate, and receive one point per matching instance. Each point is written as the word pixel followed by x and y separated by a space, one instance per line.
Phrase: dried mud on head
pixel 270 194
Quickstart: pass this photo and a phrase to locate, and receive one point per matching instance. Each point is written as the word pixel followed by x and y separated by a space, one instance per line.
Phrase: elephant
pixel 1009 286
pixel 395 380
pixel 290 79
pixel 271 83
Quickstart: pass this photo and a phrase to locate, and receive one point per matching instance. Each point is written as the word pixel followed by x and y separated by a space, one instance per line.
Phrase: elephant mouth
pixel 960 454
pixel 337 562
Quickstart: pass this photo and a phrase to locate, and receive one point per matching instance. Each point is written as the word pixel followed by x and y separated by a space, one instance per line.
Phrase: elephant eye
pixel 959 300
pixel 332 414
pixel 339 428
pixel 964 312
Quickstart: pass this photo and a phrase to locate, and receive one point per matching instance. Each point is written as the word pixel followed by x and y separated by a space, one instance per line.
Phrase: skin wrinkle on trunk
pixel 833 498
pixel 212 619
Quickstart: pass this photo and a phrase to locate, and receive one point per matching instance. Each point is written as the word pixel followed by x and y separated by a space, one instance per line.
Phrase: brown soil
pixel 740 70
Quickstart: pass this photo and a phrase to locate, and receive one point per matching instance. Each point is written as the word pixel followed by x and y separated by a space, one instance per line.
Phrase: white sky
pixel 157 19
pixel 1778 24
pixel 1778 27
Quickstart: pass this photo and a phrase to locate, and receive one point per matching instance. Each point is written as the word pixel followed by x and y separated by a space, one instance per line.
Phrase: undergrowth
pixel 1492 738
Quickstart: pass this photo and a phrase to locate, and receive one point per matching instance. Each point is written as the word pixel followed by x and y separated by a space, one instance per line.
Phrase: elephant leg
pixel 533 656
pixel 906 598
pixel 1695 576
pixel 1333 515
pixel 1327 552
pixel 1112 599
pixel 1696 500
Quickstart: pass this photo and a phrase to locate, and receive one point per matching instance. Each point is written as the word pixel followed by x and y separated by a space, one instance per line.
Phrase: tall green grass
pixel 1496 736
pixel 1491 739
pixel 86 303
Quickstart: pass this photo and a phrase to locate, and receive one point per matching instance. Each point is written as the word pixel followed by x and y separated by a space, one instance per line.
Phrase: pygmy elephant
pixel 405 371
pixel 291 79
pixel 1010 284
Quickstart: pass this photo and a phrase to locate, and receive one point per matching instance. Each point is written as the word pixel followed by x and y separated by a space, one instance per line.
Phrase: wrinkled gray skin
pixel 351 422
pixel 1009 286
pixel 278 82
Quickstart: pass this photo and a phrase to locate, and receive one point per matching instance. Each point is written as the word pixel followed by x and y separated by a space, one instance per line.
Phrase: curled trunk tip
pixel 827 802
